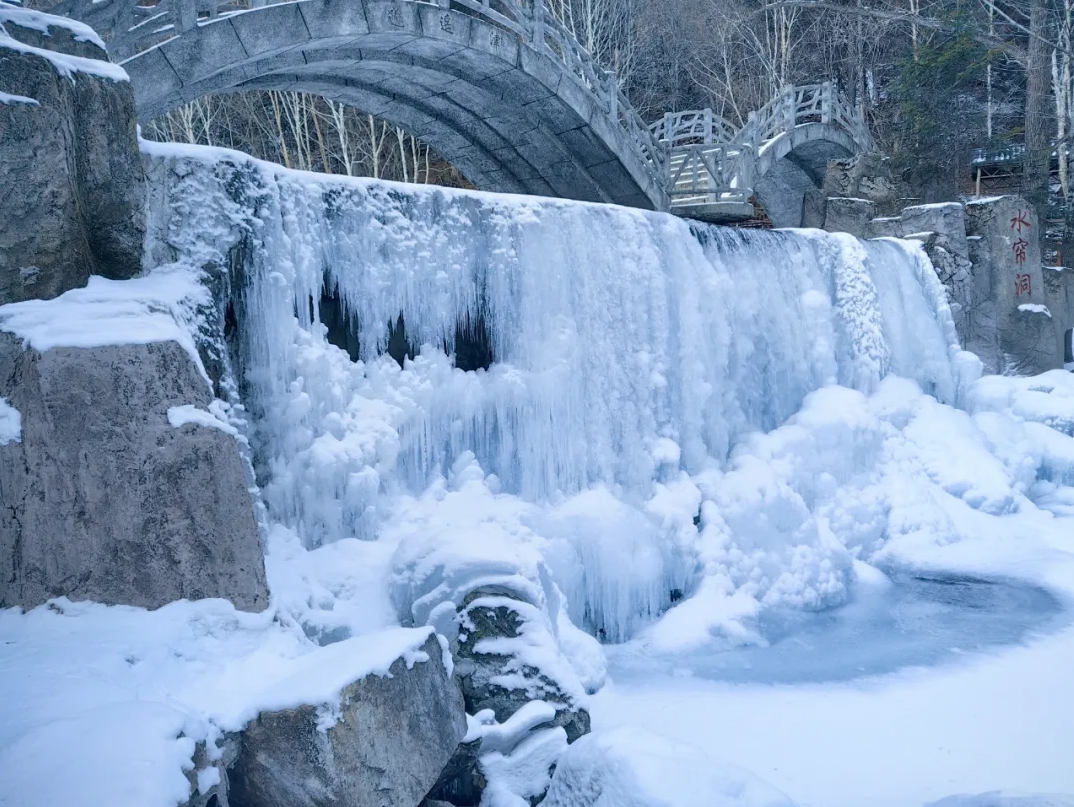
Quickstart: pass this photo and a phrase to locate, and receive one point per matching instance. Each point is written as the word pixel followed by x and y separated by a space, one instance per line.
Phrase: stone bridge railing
pixel 132 26
pixel 713 161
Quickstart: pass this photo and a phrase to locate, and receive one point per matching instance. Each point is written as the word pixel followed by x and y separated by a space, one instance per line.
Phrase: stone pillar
pixel 1009 325
pixel 72 187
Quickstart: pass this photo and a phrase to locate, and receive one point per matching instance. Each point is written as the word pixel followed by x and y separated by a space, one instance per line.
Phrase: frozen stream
pixel 922 687
pixel 904 620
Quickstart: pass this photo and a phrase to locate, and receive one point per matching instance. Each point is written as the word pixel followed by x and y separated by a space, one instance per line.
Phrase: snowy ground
pixel 998 719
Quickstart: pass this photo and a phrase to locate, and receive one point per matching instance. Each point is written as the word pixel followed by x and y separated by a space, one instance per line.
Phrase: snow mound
pixel 629 767
pixel 159 307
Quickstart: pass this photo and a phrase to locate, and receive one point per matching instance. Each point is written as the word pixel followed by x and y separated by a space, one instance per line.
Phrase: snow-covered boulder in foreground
pixel 385 743
pixel 105 498
pixel 72 187
pixel 628 767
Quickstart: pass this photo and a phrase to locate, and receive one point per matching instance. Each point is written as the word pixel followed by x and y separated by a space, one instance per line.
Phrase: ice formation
pixel 640 430
pixel 583 365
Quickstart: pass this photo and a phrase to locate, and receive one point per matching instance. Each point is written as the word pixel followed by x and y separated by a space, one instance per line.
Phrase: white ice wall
pixel 632 349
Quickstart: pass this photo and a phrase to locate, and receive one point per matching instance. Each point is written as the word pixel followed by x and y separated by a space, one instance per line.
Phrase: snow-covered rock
pixel 72 186
pixel 499 652
pixel 628 767
pixel 103 498
pixel 384 744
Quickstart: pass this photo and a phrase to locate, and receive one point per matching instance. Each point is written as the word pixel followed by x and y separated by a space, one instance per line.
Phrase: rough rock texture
pixel 845 215
pixel 814 208
pixel 385 748
pixel 225 756
pixel 484 677
pixel 481 673
pixel 104 499
pixel 71 180
pixel 865 176
pixel 955 272
pixel 1059 293
pixel 1007 325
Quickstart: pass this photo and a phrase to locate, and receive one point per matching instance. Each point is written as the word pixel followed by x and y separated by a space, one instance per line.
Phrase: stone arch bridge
pixel 498 87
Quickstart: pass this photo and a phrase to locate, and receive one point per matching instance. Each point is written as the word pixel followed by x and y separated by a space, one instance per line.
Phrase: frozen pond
pixel 909 619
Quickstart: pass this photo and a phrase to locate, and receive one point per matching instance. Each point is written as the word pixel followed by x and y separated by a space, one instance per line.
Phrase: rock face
pixel 1009 326
pixel 865 176
pixel 848 215
pixel 385 748
pixel 103 499
pixel 72 186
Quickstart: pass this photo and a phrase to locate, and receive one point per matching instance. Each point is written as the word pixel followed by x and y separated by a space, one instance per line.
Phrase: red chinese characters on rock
pixel 1019 224
pixel 1023 284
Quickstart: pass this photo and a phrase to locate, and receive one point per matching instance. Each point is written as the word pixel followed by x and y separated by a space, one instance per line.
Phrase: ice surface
pixel 890 623
pixel 1001 799
pixel 10 423
pixel 629 767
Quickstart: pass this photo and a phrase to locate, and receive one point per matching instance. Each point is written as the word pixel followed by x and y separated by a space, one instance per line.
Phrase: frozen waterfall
pixel 597 348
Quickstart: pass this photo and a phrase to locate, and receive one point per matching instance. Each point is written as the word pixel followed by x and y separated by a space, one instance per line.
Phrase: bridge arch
pixel 496 87
pixel 793 163
pixel 783 149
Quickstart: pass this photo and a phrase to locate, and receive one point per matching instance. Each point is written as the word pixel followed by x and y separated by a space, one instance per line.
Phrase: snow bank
pixel 41 22
pixel 66 65
pixel 94 690
pixel 213 418
pixel 159 307
pixel 628 767
pixel 8 98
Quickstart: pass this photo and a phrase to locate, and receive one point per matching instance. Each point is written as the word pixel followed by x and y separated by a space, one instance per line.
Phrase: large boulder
pixel 384 747
pixel 849 215
pixel 72 187
pixel 1009 326
pixel 865 176
pixel 123 487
